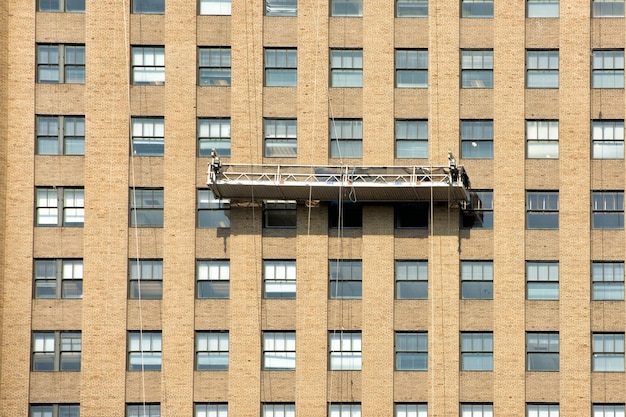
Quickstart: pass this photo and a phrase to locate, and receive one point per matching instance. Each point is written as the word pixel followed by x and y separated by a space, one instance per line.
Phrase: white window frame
pixel 279 410
pixel 542 139
pixel 605 276
pixel 147 136
pixel 607 137
pixel 215 8
pixel 608 410
pixel 148 65
pixel 344 350
pixel 213 273
pixel 212 350
pixel 279 350
pixel 279 279
pixel 542 280
pixel 344 409
pixel 144 350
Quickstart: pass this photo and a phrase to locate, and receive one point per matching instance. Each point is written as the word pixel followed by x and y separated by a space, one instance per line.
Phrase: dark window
pixel 608 209
pixel 345 279
pixel 350 215
pixel 411 8
pixel 411 351
pixel 477 8
pixel 477 213
pixel 608 8
pixel 411 215
pixel 542 351
pixel 149 6
pixel 411 280
pixel 542 210
pixel 477 280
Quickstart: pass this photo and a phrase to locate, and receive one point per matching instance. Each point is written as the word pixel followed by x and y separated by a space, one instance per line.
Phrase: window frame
pixel 63 7
pixel 346 63
pixel 599 272
pixel 476 271
pixel 477 213
pixel 418 10
pixel 411 276
pixel 153 213
pixel 608 69
pixel 212 350
pixel 346 138
pixel 214 130
pixel 280 214
pixel 211 212
pixel 280 274
pixel 476 409
pixel 152 352
pixel 280 138
pixel 413 63
pixel 54 347
pixel 281 61
pixel 542 9
pixel 545 277
pixel 542 75
pixel 607 210
pixel 210 409
pixel 615 12
pixel 476 347
pixel 410 409
pixel 136 7
pixel 547 210
pixel 349 287
pixel 542 410
pixel 143 409
pixel 44 132
pixel 411 137
pixel 467 7
pixel 607 410
pixel 476 138
pixel 54 410
pixel 411 355
pixel 345 350
pixel 605 133
pixel 150 70
pixel 477 68
pixel 534 347
pixel 212 73
pixel 214 8
pixel 147 136
pixel 286 10
pixel 278 409
pixel 64 203
pixel 216 270
pixel 607 352
pixel 58 278
pixel 61 63
pixel 540 134
pixel 148 272
pixel 335 12
pixel 279 351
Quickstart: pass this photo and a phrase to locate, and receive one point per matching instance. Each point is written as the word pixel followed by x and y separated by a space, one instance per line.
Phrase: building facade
pixel 128 289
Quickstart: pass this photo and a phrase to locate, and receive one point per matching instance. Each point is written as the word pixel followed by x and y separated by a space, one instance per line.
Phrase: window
pixel 608 139
pixel 542 139
pixel 214 134
pixel 346 68
pixel 279 351
pixel 411 215
pixel 56 410
pixel 213 279
pixel 608 352
pixel 411 351
pixel 345 279
pixel 542 210
pixel 61 5
pixel 279 214
pixel 477 280
pixel 542 280
pixel 210 410
pixel 49 199
pixel 281 66
pixel 608 209
pixel 143 410
pixel 145 279
pixel 58 278
pixel 476 410
pixel 148 137
pixel 542 351
pixel 477 68
pixel 346 8
pixel 279 410
pixel 144 351
pixel 215 7
pixel 56 351
pixel 411 410
pixel 477 213
pixel 345 351
pixel 477 139
pixel 346 138
pixel 344 410
pixel 61 64
pixel 476 351
pixel 212 212
pixel 149 6
pixel 212 351
pixel 542 410
pixel 607 281
pixel 148 65
pixel 146 207
pixel 411 280
pixel 542 68
pixel 411 68
pixel 280 138
pixel 608 8
pixel 608 410
pixel 477 8
pixel 214 66
pixel 542 8
pixel 279 279
pixel 60 135
pixel 411 8
pixel 345 215
pixel 281 7
pixel 608 68
pixel 411 139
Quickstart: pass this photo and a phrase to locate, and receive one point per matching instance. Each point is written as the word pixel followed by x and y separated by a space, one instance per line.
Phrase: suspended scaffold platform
pixel 247 182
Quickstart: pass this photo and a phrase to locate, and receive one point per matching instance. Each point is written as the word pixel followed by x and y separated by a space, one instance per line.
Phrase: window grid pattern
pixel 213 279
pixel 60 135
pixel 58 278
pixel 212 351
pixel 411 280
pixel 477 139
pixel 55 410
pixel 56 351
pixel 346 138
pixel 608 8
pixel 280 214
pixel 608 410
pixel 477 213
pixel 145 279
pixel 344 410
pixel 542 280
pixel 279 410
pixel 411 410
pixel 143 410
pixel 542 8
pixel 542 410
pixel 542 68
pixel 411 68
pixel 608 139
pixel 146 207
pixel 214 66
pixel 279 279
pixel 72 201
pixel 279 350
pixel 608 209
pixel 346 8
pixel 412 139
pixel 608 352
pixel 60 64
pixel 542 351
pixel 281 67
pixel 71 6
pixel 215 8
pixel 542 209
pixel 477 280
pixel 144 351
pixel 280 138
pixel 345 351
pixel 608 68
pixel 345 279
pixel 477 68
pixel 542 139
pixel 607 279
pixel 411 8
pixel 148 136
pixel 476 410
pixel 476 351
pixel 477 8
pixel 213 213
pixel 214 134
pixel 148 65
pixel 346 68
pixel 411 351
